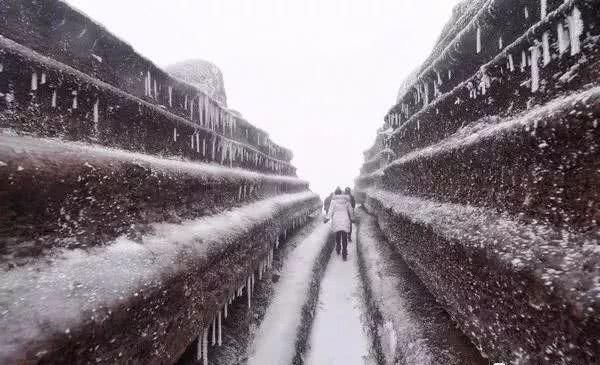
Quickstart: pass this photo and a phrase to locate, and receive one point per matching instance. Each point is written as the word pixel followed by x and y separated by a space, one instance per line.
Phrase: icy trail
pixel 338 334
pixel 276 339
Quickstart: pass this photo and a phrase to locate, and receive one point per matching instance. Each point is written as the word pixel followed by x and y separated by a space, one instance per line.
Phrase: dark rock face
pixel 202 74
pixel 133 206
pixel 491 197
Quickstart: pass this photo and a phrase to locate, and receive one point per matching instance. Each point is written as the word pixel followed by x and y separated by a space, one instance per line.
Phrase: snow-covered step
pixel 281 337
pixel 409 326
pixel 533 164
pixel 80 195
pixel 156 292
pixel 501 279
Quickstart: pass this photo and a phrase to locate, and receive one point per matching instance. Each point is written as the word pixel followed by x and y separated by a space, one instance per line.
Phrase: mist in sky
pixel 317 75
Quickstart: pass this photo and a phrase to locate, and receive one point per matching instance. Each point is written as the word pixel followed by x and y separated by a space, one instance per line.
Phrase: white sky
pixel 317 75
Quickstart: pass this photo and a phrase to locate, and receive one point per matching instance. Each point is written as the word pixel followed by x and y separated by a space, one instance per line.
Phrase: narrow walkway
pixel 276 339
pixel 338 334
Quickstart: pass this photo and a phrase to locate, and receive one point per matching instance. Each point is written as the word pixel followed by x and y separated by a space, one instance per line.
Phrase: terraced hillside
pixel 133 207
pixel 484 177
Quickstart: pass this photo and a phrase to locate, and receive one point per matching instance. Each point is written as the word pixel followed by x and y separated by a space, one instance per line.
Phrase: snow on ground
pixel 275 341
pixel 338 335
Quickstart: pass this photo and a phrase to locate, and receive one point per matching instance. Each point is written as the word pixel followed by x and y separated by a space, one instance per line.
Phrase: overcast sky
pixel 317 75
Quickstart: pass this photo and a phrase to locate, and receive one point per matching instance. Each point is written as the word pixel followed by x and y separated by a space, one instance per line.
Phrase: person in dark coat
pixel 348 192
pixel 327 203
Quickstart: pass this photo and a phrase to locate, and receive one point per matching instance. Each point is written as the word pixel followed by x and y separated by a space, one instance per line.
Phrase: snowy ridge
pixel 496 127
pixel 71 287
pixel 413 329
pixel 276 339
pixel 53 149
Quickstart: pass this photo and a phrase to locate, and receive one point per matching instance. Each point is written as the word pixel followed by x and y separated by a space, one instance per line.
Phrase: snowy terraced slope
pixel 489 192
pixel 133 208
pixel 69 37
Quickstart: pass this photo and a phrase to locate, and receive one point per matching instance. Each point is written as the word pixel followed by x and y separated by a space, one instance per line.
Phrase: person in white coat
pixel 340 214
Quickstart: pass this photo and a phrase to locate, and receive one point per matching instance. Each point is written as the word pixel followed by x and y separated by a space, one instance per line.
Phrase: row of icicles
pixel 568 33
pixel 215 328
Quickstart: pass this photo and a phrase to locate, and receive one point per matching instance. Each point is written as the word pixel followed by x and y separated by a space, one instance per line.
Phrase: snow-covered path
pixel 276 339
pixel 338 334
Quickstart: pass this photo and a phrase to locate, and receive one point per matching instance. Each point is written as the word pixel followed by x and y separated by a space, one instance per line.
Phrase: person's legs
pixel 338 241
pixel 344 245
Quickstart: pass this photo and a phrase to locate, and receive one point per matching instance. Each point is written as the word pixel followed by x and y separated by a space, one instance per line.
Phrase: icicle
pixel 43 80
pixel 500 43
pixel 74 93
pixel 96 114
pixel 192 110
pixel 523 60
pixel 203 147
pixel 249 291
pixel 199 348
pixel 240 193
pixel 575 30
pixel 220 331
pixel 543 8
pixel 192 141
pixel 175 134
pixel 34 81
pixel 213 148
pixel 54 95
pixel 214 332
pixel 147 81
pixel 185 102
pixel 562 40
pixel 449 74
pixel 546 47
pixel 526 12
pixel 535 72
pixel 226 308
pixel 205 346
pixel 197 142
pixel 478 40
pixel 155 90
pixel 171 96
pixel 511 62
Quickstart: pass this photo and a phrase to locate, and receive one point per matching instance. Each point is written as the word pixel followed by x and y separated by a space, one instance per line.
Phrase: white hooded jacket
pixel 340 213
